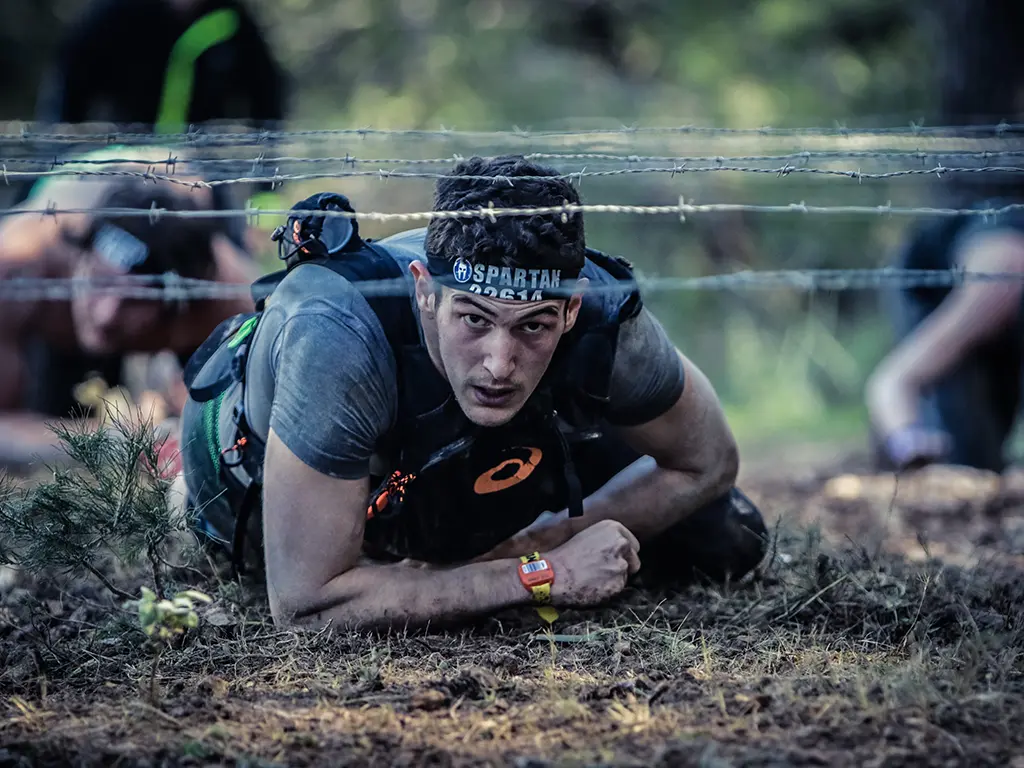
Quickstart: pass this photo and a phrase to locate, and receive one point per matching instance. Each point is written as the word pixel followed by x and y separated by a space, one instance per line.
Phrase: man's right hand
pixel 594 565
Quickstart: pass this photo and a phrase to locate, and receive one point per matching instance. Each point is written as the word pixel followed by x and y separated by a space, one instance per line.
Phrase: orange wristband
pixel 536 575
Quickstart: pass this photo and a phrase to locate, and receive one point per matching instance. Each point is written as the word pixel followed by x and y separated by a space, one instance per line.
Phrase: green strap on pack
pixel 206 32
pixel 244 331
pixel 211 428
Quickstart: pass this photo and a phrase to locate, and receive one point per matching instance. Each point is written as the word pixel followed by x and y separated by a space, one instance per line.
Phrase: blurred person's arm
pixel 24 437
pixel 972 314
pixel 232 266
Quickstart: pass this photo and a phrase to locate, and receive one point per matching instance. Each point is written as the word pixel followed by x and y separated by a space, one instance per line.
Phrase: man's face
pixel 494 352
pixel 106 322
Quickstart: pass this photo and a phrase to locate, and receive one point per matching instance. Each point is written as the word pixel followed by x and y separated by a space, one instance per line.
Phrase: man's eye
pixel 475 321
pixel 534 327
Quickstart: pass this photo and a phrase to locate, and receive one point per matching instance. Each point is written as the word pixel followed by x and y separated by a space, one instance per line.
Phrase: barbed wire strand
pixel 258 137
pixel 682 209
pixel 384 175
pixel 172 161
pixel 171 287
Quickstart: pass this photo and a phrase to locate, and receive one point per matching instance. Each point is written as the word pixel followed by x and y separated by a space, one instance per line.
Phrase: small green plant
pixel 109 501
pixel 163 620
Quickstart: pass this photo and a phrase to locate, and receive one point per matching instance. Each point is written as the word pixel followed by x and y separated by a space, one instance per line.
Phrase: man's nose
pixel 500 357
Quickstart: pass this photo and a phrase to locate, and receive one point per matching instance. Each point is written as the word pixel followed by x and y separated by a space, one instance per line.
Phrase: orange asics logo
pixel 510 472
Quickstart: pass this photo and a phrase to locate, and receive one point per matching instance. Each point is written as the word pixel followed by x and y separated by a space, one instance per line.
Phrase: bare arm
pixel 313 534
pixel 690 458
pixel 970 315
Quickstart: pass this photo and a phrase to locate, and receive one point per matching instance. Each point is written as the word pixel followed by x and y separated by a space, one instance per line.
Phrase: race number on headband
pixel 503 282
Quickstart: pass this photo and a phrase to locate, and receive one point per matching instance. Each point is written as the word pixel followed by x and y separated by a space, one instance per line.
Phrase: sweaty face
pixel 494 352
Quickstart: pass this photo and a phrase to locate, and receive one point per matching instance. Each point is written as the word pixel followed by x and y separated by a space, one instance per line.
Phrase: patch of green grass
pixel 756 427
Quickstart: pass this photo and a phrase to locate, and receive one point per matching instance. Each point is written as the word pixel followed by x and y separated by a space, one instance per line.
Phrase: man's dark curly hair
pixel 529 242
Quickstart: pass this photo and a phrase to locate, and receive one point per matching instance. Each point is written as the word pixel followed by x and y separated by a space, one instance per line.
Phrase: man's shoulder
pixel 406 246
pixel 309 283
pixel 316 289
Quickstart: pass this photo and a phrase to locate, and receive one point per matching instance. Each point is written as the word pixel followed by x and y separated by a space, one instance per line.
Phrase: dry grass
pixel 844 651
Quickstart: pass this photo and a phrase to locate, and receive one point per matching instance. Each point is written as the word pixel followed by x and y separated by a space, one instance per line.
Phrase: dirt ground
pixel 885 629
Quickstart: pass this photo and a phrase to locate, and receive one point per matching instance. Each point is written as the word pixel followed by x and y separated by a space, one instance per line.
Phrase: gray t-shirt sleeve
pixel 334 391
pixel 647 375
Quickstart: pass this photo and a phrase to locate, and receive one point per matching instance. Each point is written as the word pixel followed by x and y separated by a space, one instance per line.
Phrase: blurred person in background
pixel 949 392
pixel 50 347
pixel 164 63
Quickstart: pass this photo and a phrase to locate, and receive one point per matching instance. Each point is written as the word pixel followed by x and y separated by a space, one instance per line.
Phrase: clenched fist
pixel 594 565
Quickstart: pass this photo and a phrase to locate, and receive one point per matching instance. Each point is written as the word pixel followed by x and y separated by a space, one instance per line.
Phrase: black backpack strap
pixel 594 341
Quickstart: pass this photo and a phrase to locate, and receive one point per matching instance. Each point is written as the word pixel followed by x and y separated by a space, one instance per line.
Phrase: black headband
pixel 499 282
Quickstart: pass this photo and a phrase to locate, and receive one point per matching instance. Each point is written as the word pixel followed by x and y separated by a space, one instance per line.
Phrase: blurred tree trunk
pixel 981 79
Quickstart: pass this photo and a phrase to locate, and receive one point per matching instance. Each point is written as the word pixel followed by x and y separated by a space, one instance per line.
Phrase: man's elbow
pixel 304 614
pixel 298 608
pixel 342 602
pixel 285 610
pixel 711 475
pixel 724 469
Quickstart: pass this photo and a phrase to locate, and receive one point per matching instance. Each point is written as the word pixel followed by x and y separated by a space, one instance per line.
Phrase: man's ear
pixel 426 296
pixel 572 308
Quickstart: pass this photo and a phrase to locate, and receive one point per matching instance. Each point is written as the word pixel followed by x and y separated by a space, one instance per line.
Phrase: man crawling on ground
pixel 511 427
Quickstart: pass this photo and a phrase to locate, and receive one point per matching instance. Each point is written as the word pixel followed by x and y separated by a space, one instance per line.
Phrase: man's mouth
pixel 493 397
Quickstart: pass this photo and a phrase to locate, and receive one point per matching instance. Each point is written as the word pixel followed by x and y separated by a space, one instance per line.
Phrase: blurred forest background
pixel 787 363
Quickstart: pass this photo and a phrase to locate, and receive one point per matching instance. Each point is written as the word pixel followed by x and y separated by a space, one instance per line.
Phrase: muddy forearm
pixel 649 499
pixel 644 497
pixel 402 595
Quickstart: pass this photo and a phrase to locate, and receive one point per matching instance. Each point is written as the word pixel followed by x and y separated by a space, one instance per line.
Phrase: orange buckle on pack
pixel 394 488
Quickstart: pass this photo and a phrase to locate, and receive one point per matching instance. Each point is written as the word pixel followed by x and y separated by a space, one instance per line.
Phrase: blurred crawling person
pixel 49 347
pixel 949 392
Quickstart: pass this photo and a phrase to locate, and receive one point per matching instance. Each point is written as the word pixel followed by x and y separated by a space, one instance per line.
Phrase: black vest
pixel 452 489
